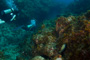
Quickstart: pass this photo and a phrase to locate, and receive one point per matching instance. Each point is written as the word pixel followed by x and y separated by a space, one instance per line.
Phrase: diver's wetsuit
pixel 5 17
pixel 29 29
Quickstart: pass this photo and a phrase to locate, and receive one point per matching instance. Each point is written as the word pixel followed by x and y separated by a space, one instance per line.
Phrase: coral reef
pixel 8 35
pixel 73 31
pixel 9 41
pixel 46 42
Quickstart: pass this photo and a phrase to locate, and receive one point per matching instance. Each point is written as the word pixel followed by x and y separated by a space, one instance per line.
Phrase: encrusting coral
pixel 72 31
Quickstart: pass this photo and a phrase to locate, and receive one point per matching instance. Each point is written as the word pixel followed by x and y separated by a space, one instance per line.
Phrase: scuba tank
pixel 7 11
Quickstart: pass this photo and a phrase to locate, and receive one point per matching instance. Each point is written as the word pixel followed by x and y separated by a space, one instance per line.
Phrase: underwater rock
pixel 74 37
pixel 45 41
pixel 9 36
pixel 9 40
pixel 38 58
pixel 58 57
pixel 19 58
pixel 88 14
pixel 2 56
pixel 73 31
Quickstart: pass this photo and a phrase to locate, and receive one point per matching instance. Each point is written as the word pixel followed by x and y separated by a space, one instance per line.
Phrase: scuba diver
pixel 33 23
pixel 10 14
pixel 29 27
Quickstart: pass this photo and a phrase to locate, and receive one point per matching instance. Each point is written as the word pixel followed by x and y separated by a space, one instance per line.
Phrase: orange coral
pixel 87 28
pixel 59 22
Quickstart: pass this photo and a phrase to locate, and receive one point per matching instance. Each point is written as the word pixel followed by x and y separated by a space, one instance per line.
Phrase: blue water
pixel 65 1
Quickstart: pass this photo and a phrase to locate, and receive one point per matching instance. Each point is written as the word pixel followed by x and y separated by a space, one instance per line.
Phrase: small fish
pixel 63 48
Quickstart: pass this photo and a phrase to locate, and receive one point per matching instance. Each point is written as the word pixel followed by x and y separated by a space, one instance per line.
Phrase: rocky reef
pixel 74 31
pixel 9 41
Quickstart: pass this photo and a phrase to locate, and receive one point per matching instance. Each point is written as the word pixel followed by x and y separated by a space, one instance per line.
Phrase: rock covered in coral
pixel 38 58
pixel 10 39
pixel 8 35
pixel 76 36
pixel 45 41
pixel 72 31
